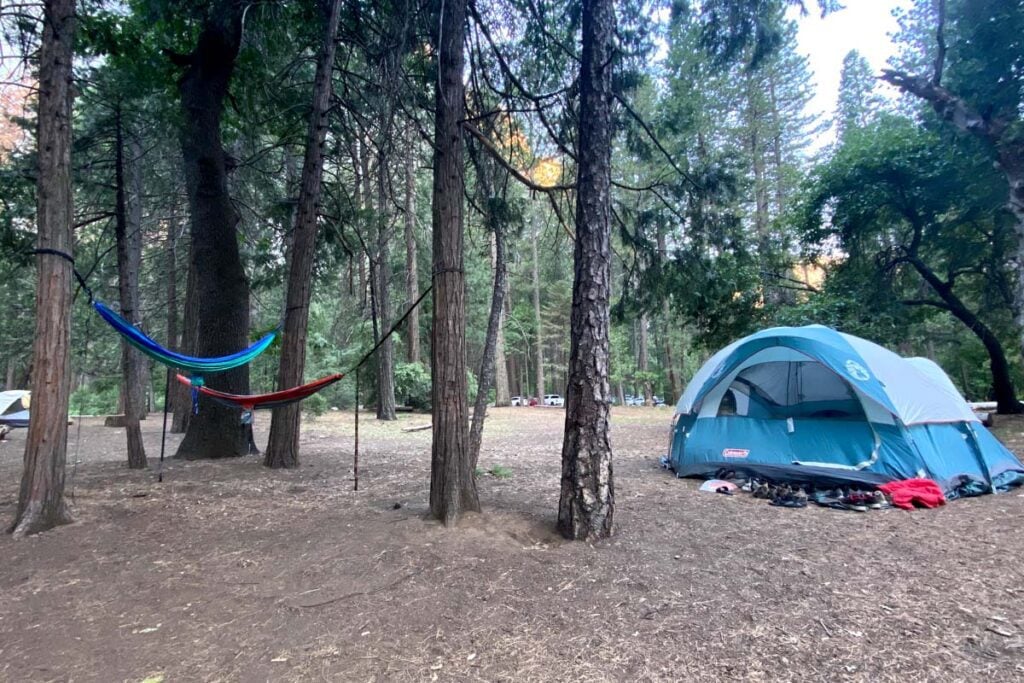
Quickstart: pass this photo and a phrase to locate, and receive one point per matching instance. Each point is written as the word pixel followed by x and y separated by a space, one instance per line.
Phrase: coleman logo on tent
pixel 735 453
pixel 857 371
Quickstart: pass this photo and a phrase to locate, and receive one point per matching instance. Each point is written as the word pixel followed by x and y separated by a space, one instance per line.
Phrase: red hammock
pixel 257 401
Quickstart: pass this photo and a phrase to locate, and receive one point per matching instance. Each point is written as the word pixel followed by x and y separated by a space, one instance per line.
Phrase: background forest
pixel 730 214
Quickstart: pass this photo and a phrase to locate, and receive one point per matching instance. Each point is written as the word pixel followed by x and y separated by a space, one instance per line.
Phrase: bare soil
pixel 231 572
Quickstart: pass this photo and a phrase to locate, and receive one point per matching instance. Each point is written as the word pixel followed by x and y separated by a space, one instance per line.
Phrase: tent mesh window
pixel 785 389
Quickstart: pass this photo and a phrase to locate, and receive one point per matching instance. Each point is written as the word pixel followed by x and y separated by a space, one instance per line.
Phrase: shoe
pixel 878 501
pixel 791 500
pixel 855 500
pixel 800 497
pixel 762 491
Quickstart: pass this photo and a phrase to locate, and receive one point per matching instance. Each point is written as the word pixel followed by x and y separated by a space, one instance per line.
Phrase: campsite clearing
pixel 229 571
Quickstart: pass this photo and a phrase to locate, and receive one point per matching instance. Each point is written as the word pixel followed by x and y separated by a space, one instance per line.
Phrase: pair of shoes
pixel 790 499
pixel 858 501
pixel 762 490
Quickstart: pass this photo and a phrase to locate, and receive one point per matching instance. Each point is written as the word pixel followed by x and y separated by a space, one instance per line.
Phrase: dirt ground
pixel 230 572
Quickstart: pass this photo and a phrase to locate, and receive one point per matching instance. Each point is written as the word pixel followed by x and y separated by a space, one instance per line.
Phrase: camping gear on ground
pixel 14 406
pixel 810 405
pixel 719 486
pixel 911 493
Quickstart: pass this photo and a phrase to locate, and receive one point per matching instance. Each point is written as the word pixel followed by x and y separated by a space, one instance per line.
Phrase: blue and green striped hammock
pixel 146 345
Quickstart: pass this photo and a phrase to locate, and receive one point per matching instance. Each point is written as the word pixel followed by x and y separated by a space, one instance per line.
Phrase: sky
pixel 865 26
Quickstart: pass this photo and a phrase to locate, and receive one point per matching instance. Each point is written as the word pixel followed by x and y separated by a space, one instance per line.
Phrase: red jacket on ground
pixel 908 492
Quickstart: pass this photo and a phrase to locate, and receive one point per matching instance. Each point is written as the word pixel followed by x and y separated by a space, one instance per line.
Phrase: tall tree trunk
pixel 757 162
pixel 644 357
pixel 386 353
pixel 502 397
pixel 780 193
pixel 452 483
pixel 587 503
pixel 487 362
pixel 177 395
pixel 364 190
pixel 673 377
pixel 538 331
pixel 222 288
pixel 412 283
pixel 128 234
pixel 283 445
pixel 189 344
pixel 41 503
pixel 666 314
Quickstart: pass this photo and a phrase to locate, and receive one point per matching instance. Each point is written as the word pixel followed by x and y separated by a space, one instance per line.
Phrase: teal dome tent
pixel 814 405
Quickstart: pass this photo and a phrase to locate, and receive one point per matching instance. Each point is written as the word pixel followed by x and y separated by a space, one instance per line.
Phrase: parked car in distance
pixel 659 401
pixel 634 400
pixel 518 401
pixel 554 400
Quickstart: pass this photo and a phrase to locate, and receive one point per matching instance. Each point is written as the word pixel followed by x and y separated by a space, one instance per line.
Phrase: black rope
pixel 393 329
pixel 70 259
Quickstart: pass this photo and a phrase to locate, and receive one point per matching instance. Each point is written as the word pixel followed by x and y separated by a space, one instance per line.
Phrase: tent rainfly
pixel 811 404
pixel 14 408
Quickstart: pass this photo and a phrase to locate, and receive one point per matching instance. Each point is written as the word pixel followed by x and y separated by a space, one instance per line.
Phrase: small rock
pixel 396 506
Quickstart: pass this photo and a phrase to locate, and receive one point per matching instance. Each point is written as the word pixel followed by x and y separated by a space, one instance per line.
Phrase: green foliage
pixel 500 472
pixel 97 398
pixel 412 385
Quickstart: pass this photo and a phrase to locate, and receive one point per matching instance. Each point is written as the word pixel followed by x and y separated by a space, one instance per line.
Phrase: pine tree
pixel 857 99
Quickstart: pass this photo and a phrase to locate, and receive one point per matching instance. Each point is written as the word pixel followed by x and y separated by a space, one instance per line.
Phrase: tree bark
pixel 666 314
pixel 128 235
pixel 452 483
pixel 412 283
pixel 188 344
pixel 673 377
pixel 177 395
pixel 502 396
pixel 285 424
pixel 222 289
pixel 487 362
pixel 41 504
pixel 644 359
pixel 758 166
pixel 780 194
pixel 538 331
pixel 386 353
pixel 587 503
